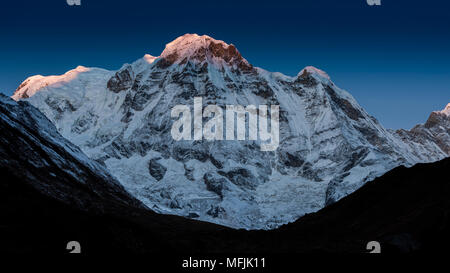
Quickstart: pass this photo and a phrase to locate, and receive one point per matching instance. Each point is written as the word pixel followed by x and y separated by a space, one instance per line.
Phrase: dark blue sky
pixel 394 59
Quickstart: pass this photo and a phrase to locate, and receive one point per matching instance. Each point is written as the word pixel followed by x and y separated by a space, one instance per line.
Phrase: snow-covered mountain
pixel 329 146
pixel 32 151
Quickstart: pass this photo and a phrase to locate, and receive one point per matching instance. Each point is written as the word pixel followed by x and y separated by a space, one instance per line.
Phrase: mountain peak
pixel 196 48
pixel 438 118
pixel 446 110
pixel 149 58
pixel 311 76
pixel 189 43
pixel 314 71
pixel 35 83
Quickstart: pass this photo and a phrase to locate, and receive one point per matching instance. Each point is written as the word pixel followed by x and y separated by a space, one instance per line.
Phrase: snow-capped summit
pixel 314 71
pixel 446 110
pixel 195 48
pixel 149 58
pixel 187 44
pixel 329 145
pixel 431 139
pixel 37 83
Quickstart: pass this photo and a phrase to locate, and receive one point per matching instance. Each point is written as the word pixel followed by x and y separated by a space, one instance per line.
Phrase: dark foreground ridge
pixel 50 196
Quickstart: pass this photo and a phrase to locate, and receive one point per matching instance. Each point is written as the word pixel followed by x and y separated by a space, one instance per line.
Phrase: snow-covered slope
pixel 329 146
pixel 32 151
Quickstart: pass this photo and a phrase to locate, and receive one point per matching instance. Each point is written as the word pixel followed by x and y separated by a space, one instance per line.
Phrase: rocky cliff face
pixel 329 146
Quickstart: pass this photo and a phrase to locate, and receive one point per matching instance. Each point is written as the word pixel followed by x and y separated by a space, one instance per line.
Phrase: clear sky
pixel 394 58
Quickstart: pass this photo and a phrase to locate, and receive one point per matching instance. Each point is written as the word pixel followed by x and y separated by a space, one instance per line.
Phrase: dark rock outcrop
pixel 122 80
pixel 156 169
pixel 215 183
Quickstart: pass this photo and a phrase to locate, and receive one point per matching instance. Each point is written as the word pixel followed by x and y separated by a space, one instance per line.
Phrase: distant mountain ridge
pixel 432 136
pixel 329 145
